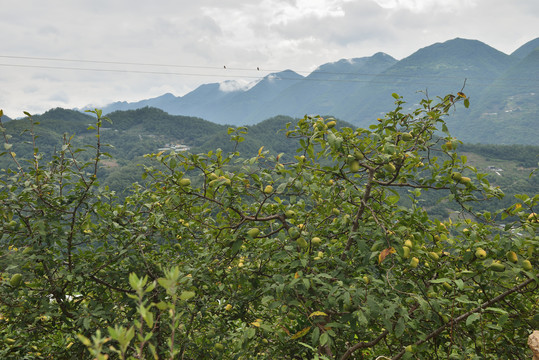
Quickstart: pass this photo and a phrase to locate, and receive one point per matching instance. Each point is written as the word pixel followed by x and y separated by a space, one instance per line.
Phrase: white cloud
pixel 423 6
pixel 236 85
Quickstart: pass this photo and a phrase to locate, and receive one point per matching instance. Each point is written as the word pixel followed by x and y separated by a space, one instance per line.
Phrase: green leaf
pixel 186 295
pixel 472 318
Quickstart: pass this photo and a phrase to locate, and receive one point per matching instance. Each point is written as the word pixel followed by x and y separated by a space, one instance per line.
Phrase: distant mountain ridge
pixel 359 90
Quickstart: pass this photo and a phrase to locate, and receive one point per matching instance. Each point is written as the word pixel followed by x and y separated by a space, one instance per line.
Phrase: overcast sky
pixel 119 43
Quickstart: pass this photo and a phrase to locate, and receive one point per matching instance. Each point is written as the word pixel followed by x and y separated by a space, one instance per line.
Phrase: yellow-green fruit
pixel 456 176
pixel 219 347
pixel 331 124
pixel 253 232
pixel 405 252
pixel 449 145
pixel 447 286
pixel 290 213
pixel 407 136
pixel 336 211
pixel 213 176
pixel 316 240
pixel 185 182
pixel 465 180
pixel 302 243
pixel 228 307
pixel 390 167
pixel 366 279
pixel 497 266
pixel 480 253
pixel 433 255
pixel 409 243
pixel 409 349
pixel 354 166
pixel 414 262
pixel 358 155
pixel 512 256
pixel 527 265
pixel 268 189
pixel 294 233
pixel 15 280
pixel 533 218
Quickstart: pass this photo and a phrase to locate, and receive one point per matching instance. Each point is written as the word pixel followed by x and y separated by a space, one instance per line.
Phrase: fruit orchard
pixel 328 253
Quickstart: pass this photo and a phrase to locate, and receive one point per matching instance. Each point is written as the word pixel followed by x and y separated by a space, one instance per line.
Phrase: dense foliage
pixel 272 256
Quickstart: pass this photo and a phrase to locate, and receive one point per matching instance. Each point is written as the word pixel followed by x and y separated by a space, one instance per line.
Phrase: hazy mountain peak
pixel 526 49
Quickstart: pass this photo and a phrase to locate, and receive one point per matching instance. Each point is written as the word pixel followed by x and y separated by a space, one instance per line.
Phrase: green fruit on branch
pixel 15 280
pixel 268 189
pixel 213 176
pixel 316 240
pixel 336 211
pixel 465 180
pixel 294 233
pixel 390 167
pixel 331 124
pixel 409 243
pixel 407 136
pixel 354 166
pixel 456 176
pixel 480 253
pixel 358 155
pixel 366 279
pixel 409 349
pixel 414 262
pixel 405 252
pixel 512 256
pixel 219 347
pixel 302 243
pixel 185 182
pixel 447 286
pixel 290 213
pixel 434 256
pixel 527 265
pixel 497 266
pixel 253 232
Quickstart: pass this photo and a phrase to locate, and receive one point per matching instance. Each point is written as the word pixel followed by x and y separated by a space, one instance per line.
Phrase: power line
pixel 209 68
pixel 351 77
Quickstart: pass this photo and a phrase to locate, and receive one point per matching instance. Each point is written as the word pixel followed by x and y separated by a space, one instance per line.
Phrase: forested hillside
pixel 135 133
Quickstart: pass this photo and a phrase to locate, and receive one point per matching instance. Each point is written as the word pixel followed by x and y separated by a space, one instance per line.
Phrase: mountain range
pixel 503 90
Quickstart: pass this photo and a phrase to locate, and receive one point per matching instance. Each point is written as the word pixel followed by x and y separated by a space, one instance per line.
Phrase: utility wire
pixel 226 68
pixel 350 77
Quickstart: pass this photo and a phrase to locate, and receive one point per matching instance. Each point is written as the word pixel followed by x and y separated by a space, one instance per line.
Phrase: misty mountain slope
pixel 437 69
pixel 507 111
pixel 526 49
pixel 359 90
pixel 329 84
